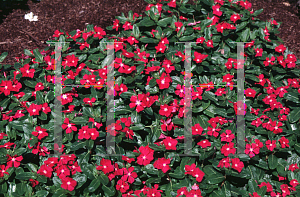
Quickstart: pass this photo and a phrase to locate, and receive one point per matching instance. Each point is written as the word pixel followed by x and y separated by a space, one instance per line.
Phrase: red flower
pixel 127 26
pixel 280 49
pixel 199 174
pixel 270 145
pixel 70 60
pixel 220 91
pixel 68 183
pixel 250 92
pixel 221 26
pixel 146 155
pixel 228 149
pixel 268 185
pixel 252 150
pixel 45 108
pixel 33 182
pixel 132 40
pixel 293 167
pixel 74 167
pixel 165 110
pixel 26 71
pixel 182 191
pixel 269 61
pixel 170 143
pixel 200 40
pixel 239 108
pixel 3 170
pixel 99 32
pixel 225 162
pixel 89 101
pixel 106 166
pixel 116 24
pixel 40 132
pixel 172 3
pixel 63 171
pixel 197 129
pixel 237 164
pixel 285 190
pixel 84 133
pixel 190 169
pixel 255 194
pixel 167 125
pixel 160 48
pixel 284 142
pixel 164 81
pixel 167 65
pixel 45 170
pixel 7 144
pixel 235 17
pixel 228 136
pixel 199 57
pixel 178 26
pixel 6 87
pixel 216 10
pixel 129 175
pixel 210 43
pixel 258 52
pixel 136 101
pixel 69 126
pixel 204 143
pixel 162 164
pixel 294 182
pixel 34 109
pixel 66 98
pixel 122 186
pixel 93 133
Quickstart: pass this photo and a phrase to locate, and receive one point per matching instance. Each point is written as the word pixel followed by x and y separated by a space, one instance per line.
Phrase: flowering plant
pixel 149 102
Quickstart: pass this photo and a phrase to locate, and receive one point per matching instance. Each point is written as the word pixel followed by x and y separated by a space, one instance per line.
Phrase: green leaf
pixel 89 144
pixel 103 179
pixel 4 103
pixel 39 98
pixel 94 185
pixel 109 191
pixel 164 22
pixel 294 115
pixel 148 40
pixel 215 179
pixel 241 26
pixel 3 56
pixel 149 111
pixel 257 12
pixel 146 22
pixel 42 193
pixel 210 96
pixel 245 35
pixel 136 31
pixel 273 161
pixel 26 176
pixel 137 127
pixel 80 120
pixel 80 178
pixel 77 145
pixel 262 191
pixel 38 55
pixel 30 83
pixel 294 97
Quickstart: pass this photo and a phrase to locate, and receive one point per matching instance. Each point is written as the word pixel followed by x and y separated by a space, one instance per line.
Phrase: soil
pixel 18 33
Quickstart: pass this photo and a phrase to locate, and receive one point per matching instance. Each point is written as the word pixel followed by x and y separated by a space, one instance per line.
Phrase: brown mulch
pixel 18 33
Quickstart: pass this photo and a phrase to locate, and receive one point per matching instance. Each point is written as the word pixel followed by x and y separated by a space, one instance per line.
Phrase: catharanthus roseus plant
pixel 150 108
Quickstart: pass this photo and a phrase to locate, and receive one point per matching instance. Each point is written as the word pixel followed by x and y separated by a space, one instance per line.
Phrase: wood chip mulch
pixel 17 33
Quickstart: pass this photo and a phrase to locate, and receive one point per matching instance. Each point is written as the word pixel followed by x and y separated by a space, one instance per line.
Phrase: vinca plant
pixel 147 79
